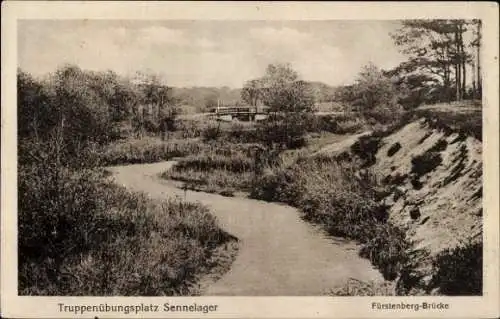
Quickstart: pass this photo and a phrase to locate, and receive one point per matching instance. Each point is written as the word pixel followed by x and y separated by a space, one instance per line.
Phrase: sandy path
pixel 279 254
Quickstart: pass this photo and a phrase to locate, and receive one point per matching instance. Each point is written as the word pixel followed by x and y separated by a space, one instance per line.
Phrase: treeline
pixel 78 107
pixel 203 99
pixel 440 53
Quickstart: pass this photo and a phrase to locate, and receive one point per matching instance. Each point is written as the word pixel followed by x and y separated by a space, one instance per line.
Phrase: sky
pixel 208 53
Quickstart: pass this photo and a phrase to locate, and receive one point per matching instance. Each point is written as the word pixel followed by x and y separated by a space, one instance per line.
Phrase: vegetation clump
pixel 459 270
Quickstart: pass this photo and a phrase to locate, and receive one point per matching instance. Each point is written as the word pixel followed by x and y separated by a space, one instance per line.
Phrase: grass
pixel 218 181
pixel 348 123
pixel 80 234
pixel 147 150
pixel 465 123
pixel 220 168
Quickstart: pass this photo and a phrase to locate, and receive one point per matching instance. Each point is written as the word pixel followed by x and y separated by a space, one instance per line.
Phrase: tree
pixel 251 91
pixel 289 100
pixel 373 94
pixel 162 105
pixel 436 48
pixel 476 68
pixel 34 115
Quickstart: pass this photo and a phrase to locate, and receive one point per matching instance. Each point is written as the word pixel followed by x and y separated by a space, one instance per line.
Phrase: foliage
pixel 283 132
pixel 425 163
pixel 373 95
pixel 459 271
pixel 211 132
pixel 66 105
pixel 251 92
pixel 366 148
pixel 438 53
pixel 393 149
pixel 339 124
pixel 288 99
pixel 90 107
pixel 79 234
pixel 463 123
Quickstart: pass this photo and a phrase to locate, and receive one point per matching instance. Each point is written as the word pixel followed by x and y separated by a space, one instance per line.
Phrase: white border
pixel 256 307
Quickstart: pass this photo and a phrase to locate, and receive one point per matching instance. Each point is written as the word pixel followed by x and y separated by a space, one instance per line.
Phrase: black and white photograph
pixel 252 158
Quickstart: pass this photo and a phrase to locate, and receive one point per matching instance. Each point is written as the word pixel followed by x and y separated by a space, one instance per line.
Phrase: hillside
pixel 429 171
pixel 436 184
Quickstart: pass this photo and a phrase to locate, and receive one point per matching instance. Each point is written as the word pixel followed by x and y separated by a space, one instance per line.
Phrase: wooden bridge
pixel 242 113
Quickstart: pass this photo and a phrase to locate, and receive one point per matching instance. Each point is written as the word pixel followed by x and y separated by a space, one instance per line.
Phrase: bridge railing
pixel 237 110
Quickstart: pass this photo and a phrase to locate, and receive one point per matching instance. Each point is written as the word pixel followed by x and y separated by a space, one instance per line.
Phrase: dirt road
pixel 279 254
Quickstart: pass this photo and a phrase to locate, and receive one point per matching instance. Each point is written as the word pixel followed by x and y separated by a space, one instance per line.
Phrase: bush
pixel 283 133
pixel 464 123
pixel 393 149
pixel 277 186
pixel 387 250
pixel 189 129
pixel 425 163
pixel 459 271
pixel 366 148
pixel 211 133
pixel 439 146
pixel 337 124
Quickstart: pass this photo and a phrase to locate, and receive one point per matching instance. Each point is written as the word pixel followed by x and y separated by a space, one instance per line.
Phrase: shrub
pixel 439 146
pixel 338 124
pixel 387 250
pixel 366 147
pixel 425 163
pixel 189 128
pixel 211 133
pixel 221 167
pixel 393 149
pixel 464 123
pixel 459 271
pixel 279 186
pixel 284 133
pixel 396 179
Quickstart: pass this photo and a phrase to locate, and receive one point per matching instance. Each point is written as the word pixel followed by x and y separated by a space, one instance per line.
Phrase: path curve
pixel 279 254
